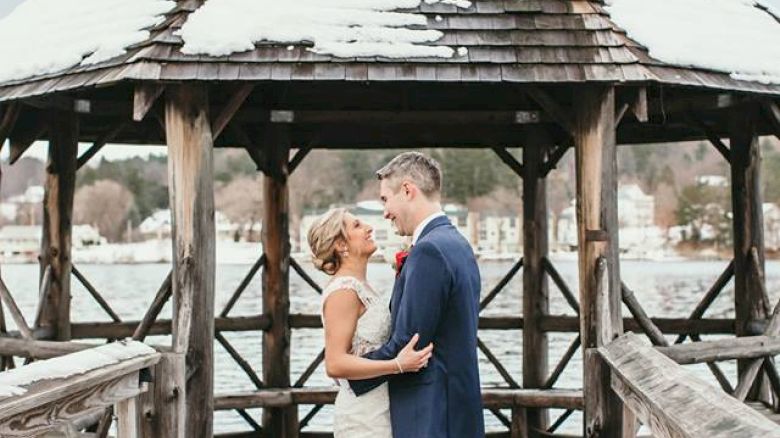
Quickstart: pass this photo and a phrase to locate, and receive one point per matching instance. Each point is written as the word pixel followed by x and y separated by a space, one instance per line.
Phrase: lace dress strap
pixel 365 294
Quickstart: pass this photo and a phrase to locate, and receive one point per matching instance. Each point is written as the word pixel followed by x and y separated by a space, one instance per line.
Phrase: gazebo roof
pixel 512 41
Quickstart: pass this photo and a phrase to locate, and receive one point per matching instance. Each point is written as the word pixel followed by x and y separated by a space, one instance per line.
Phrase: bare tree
pixel 241 200
pixel 105 205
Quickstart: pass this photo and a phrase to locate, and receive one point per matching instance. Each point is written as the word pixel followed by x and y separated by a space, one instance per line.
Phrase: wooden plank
pixel 162 406
pixel 60 187
pixel 725 349
pixel 536 297
pixel 46 389
pixel 146 93
pixel 282 422
pixel 127 418
pixel 551 323
pixel 491 398
pixel 599 273
pixel 749 301
pixel 35 349
pixel 231 107
pixel 191 189
pixel 673 401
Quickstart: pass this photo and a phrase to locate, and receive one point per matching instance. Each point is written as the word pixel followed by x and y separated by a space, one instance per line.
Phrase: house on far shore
pixel 22 243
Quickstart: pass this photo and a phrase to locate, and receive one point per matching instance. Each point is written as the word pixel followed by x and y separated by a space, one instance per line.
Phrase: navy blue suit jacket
pixel 436 295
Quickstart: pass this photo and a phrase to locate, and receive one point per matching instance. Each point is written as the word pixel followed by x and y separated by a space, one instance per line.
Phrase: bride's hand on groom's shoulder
pixel 411 360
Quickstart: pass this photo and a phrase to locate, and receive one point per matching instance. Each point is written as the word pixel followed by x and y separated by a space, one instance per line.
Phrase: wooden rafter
pixel 229 110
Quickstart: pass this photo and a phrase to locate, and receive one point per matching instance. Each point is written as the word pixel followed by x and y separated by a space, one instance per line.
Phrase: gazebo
pixel 537 77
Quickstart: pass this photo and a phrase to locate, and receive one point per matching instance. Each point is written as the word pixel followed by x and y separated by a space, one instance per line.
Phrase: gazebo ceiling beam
pixel 665 104
pixel 231 107
pixel 384 117
pixel 555 110
pixel 144 96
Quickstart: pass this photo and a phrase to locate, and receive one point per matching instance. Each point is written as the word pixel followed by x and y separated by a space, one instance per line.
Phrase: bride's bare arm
pixel 341 311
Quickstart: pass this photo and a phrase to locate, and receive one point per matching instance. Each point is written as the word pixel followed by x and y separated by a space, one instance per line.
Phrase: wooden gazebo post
pixel 191 189
pixel 54 306
pixel 277 422
pixel 536 300
pixel 750 301
pixel 599 272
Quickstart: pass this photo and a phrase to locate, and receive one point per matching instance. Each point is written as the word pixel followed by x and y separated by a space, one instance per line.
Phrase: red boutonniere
pixel 400 259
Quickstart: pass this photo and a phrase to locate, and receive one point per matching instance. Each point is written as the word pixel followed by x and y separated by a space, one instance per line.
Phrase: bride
pixel 356 320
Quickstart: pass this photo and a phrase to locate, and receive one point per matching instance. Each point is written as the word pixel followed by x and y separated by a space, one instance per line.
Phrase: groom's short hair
pixel 421 169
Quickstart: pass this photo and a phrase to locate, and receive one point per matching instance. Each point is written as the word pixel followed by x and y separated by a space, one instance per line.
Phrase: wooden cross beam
pixel 255 153
pixel 554 158
pixel 21 140
pixel 99 143
pixel 8 121
pixel 229 110
pixel 144 97
pixel 509 160
pixel 772 110
pixel 712 137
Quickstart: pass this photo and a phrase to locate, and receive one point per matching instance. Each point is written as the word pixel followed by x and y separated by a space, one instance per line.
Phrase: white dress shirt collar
pixel 421 226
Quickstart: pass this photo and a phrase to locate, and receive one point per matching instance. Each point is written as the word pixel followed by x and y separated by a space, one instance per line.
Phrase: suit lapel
pixel 398 286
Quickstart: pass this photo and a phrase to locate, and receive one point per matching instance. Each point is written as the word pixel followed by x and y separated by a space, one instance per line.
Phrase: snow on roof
pixel 342 28
pixel 45 36
pixel 13 381
pixel 732 36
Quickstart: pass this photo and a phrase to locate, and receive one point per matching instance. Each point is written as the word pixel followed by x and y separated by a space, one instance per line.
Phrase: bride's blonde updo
pixel 323 235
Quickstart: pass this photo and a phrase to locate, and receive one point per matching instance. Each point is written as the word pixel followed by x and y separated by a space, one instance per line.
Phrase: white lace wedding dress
pixel 369 415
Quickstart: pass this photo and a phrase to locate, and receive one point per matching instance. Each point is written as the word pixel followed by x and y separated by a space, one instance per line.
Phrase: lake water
pixel 668 289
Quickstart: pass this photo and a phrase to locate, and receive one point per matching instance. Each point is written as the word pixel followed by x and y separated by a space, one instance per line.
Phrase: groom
pixel 436 295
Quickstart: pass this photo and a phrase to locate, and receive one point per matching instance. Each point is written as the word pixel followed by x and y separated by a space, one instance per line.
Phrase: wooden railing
pixel 517 400
pixel 70 391
pixel 674 402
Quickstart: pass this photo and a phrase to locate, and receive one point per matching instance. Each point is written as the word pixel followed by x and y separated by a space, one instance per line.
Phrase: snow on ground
pixel 13 381
pixel 732 36
pixel 342 28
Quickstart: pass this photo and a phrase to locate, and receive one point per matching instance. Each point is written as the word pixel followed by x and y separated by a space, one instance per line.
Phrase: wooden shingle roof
pixel 516 41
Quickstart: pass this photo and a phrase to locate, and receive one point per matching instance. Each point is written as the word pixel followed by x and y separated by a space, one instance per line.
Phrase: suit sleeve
pixel 426 293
